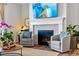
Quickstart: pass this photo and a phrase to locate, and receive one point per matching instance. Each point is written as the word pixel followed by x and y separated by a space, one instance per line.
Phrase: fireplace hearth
pixel 44 36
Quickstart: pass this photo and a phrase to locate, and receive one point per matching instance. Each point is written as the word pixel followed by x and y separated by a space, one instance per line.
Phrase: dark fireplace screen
pixel 44 36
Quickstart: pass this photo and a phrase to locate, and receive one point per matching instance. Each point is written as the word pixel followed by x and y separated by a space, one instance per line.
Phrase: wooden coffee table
pixel 17 47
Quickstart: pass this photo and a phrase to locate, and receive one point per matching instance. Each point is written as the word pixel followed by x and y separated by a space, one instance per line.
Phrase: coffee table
pixel 17 47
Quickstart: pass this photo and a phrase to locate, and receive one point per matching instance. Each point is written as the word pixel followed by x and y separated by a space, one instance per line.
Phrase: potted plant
pixel 6 35
pixel 74 35
pixel 7 39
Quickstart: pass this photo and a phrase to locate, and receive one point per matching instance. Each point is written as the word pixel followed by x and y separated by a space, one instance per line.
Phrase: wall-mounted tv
pixel 45 10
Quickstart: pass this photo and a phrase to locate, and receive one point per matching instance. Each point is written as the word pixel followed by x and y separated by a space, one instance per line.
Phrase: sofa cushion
pixel 27 34
pixel 56 38
pixel 56 43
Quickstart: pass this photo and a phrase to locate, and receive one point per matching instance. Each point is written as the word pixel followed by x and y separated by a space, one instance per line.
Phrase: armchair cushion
pixel 27 34
pixel 56 44
pixel 56 38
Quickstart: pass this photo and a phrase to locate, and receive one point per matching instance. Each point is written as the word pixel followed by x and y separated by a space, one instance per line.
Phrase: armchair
pixel 26 38
pixel 60 42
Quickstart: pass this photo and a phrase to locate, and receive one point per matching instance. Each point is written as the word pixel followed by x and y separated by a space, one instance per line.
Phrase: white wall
pixel 62 9
pixel 25 10
pixel 73 13
pixel 13 16
pixel 16 13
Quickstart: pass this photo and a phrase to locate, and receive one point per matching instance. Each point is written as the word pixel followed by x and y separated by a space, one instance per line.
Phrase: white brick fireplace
pixel 55 24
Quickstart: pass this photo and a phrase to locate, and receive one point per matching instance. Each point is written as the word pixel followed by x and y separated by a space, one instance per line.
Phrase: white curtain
pixel 2 12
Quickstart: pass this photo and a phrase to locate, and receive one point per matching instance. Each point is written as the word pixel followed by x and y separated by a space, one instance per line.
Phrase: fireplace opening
pixel 44 36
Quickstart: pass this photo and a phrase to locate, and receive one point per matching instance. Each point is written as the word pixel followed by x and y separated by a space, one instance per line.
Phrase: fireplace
pixel 44 36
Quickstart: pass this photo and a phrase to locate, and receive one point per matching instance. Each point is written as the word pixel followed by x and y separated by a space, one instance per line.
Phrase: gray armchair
pixel 26 38
pixel 60 42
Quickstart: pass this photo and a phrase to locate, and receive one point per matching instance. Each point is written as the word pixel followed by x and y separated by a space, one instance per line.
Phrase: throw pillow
pixel 27 34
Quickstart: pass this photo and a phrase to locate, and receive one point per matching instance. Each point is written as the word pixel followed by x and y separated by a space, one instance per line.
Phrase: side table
pixel 17 47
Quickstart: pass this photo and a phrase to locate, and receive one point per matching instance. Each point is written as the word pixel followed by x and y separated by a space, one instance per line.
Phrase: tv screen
pixel 45 10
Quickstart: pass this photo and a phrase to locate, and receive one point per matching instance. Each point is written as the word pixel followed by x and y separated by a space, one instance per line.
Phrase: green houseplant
pixel 7 39
pixel 6 35
pixel 71 29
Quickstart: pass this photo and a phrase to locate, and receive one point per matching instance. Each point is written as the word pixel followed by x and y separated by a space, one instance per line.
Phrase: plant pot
pixel 77 39
pixel 73 42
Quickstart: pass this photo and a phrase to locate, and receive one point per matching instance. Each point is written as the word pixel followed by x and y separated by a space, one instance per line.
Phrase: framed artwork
pixel 45 10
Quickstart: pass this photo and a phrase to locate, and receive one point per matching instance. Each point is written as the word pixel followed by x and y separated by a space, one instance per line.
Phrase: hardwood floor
pixel 70 53
pixel 74 52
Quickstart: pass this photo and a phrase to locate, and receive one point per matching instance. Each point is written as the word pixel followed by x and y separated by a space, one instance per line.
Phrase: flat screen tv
pixel 45 10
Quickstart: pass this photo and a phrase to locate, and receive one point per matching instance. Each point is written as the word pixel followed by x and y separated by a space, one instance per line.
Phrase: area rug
pixel 34 52
pixel 37 52
pixel 43 47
